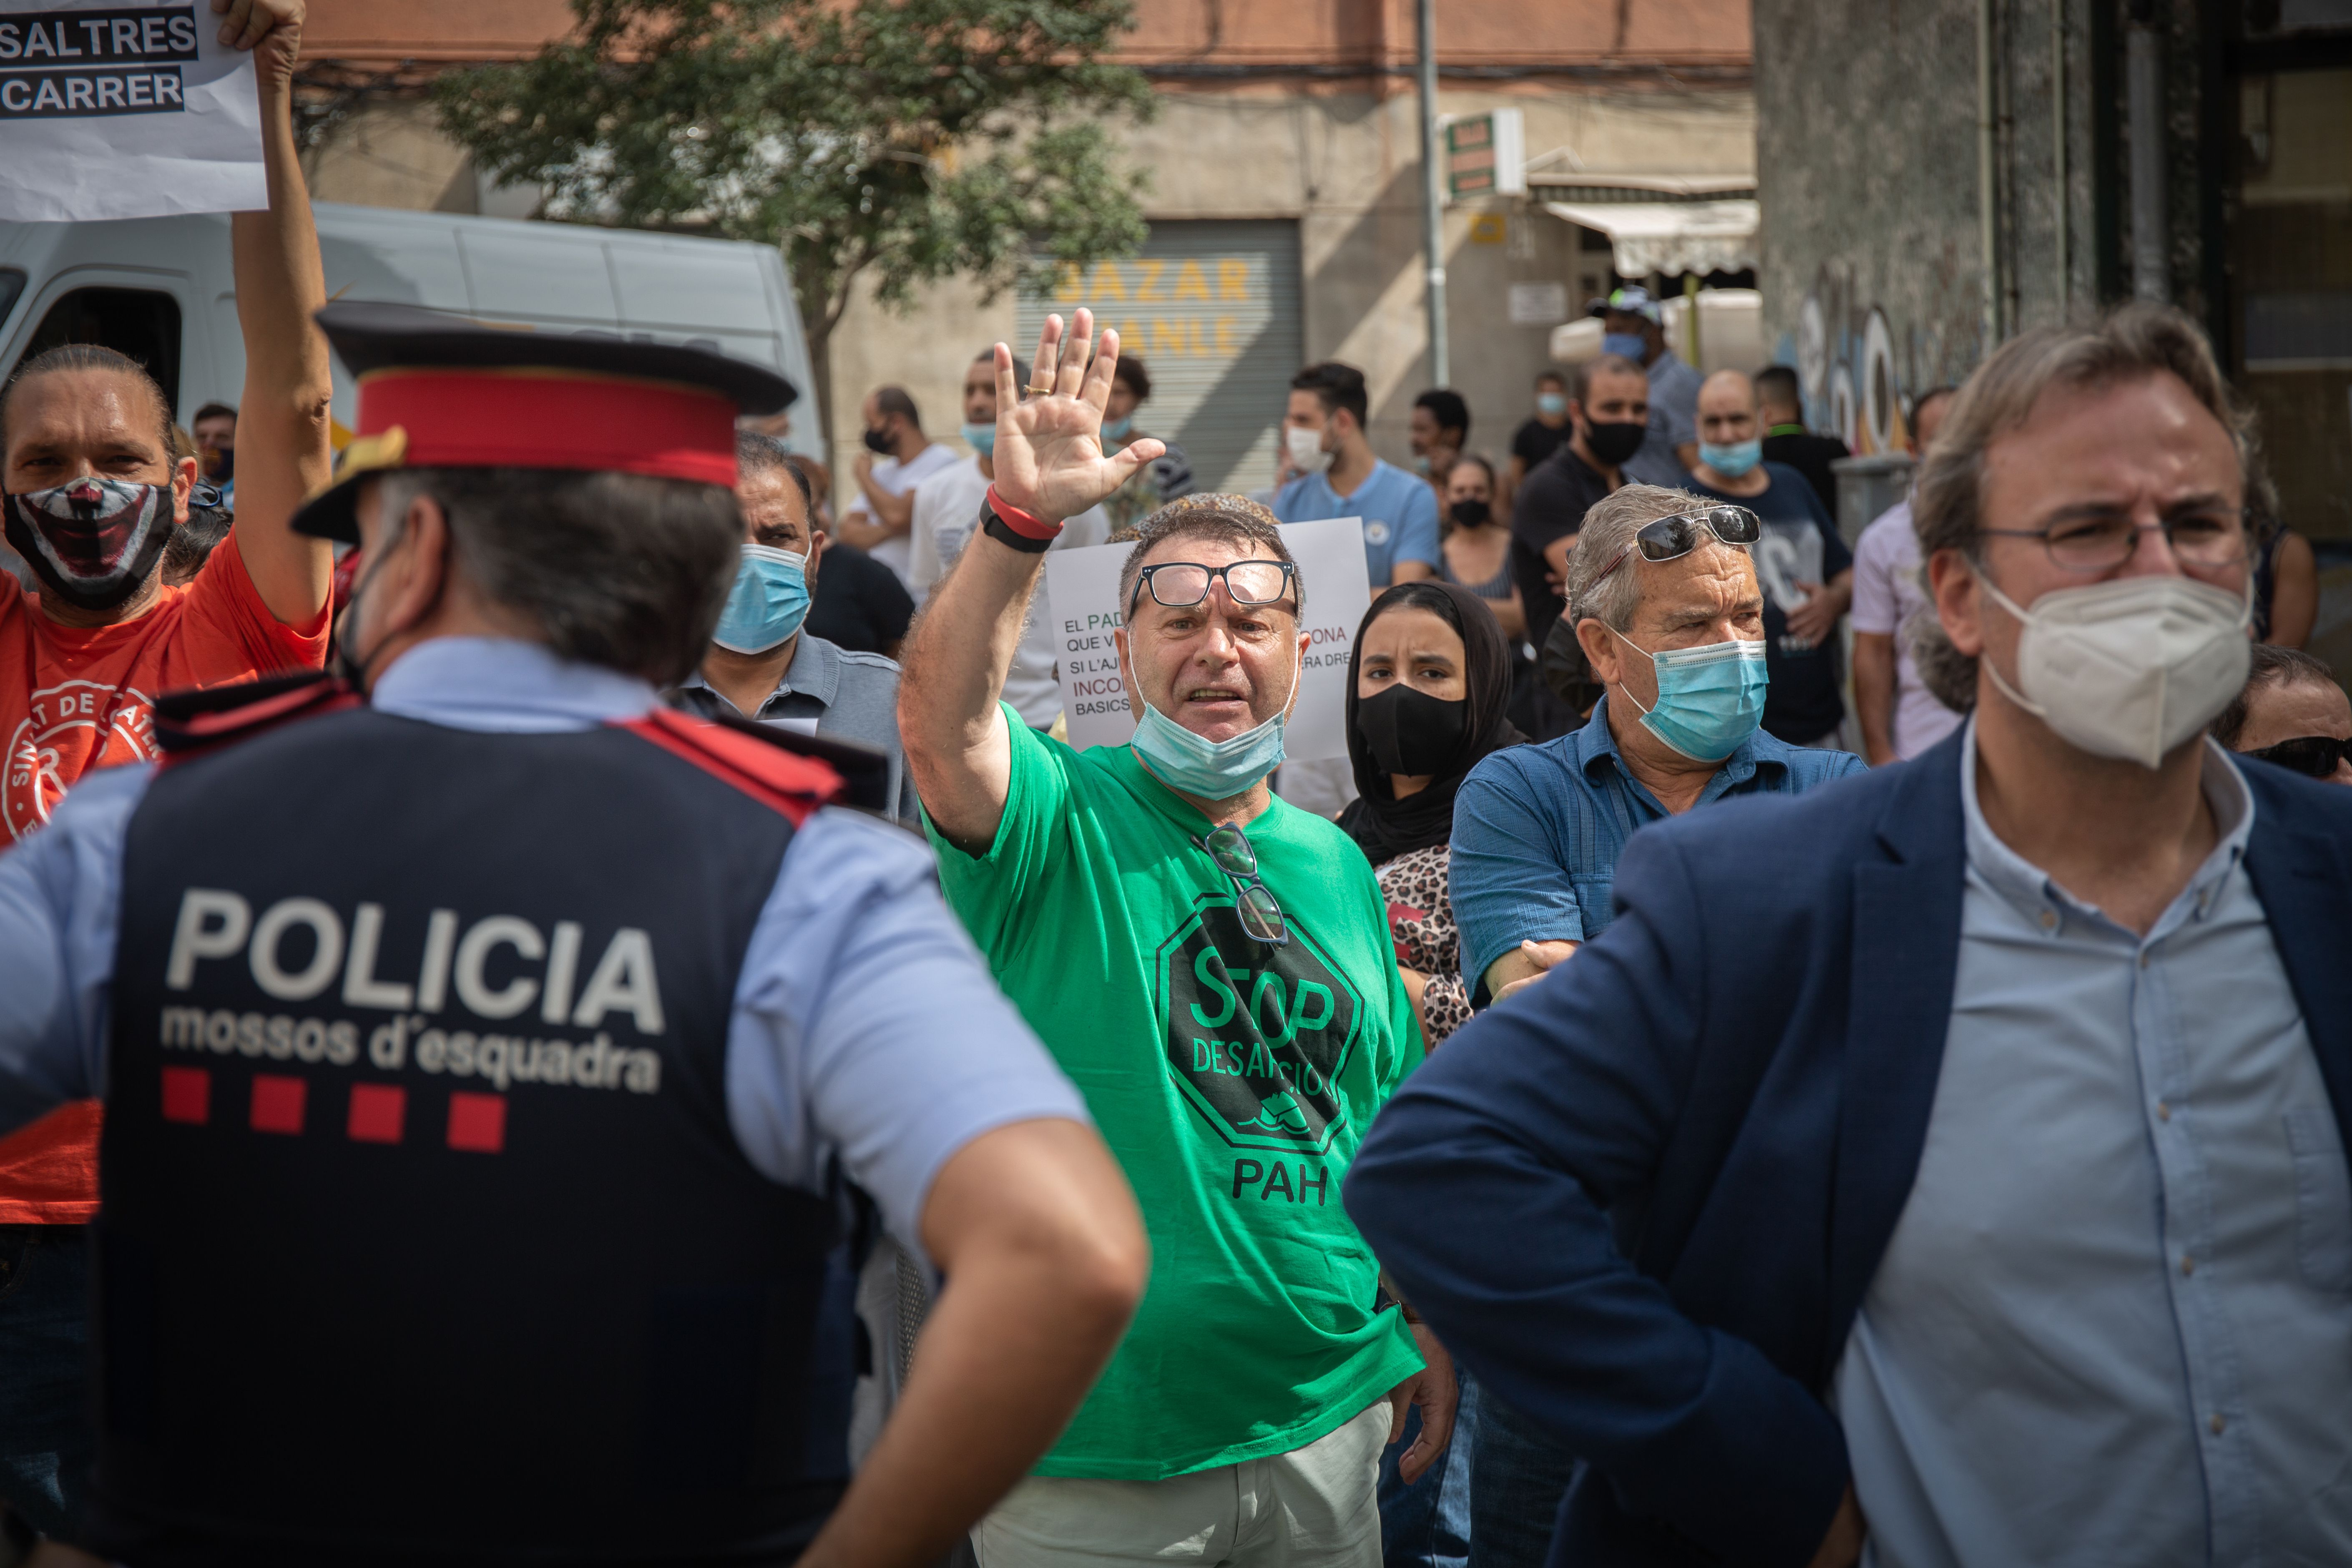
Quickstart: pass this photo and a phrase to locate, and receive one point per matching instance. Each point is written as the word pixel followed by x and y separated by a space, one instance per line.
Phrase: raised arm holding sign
pixel 91 495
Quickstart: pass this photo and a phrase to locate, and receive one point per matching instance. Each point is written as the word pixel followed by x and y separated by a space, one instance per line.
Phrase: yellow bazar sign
pixel 1191 292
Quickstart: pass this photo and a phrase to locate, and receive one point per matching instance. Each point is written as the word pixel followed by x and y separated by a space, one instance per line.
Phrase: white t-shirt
pixel 1886 595
pixel 896 478
pixel 947 510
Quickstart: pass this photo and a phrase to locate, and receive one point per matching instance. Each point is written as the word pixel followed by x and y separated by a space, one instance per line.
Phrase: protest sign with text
pixel 1082 597
pixel 114 110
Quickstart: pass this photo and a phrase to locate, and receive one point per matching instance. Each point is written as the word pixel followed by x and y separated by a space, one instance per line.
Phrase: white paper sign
pixel 1082 595
pixel 110 110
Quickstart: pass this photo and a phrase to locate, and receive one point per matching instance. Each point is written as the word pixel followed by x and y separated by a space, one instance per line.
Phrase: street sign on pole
pixel 1485 154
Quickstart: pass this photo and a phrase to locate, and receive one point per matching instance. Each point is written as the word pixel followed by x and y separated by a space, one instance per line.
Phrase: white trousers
pixel 1311 1508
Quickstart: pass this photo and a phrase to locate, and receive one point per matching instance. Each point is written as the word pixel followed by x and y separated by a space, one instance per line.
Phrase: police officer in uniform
pixel 486 1048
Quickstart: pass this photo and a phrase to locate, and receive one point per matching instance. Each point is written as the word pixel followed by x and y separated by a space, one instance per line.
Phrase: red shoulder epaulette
pixel 189 724
pixel 758 761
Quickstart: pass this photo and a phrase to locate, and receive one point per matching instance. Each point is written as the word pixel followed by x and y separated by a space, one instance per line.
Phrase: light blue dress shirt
pixel 1537 830
pixel 865 1024
pixel 1400 515
pixel 2114 1324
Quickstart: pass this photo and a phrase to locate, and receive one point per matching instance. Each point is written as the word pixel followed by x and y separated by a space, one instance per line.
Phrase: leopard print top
pixel 1421 922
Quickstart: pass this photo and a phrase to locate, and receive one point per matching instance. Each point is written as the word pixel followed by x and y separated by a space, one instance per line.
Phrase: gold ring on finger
pixel 1039 389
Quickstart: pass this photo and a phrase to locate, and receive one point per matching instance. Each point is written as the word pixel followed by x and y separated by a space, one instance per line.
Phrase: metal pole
pixel 1988 208
pixel 1433 214
pixel 2144 89
pixel 2064 208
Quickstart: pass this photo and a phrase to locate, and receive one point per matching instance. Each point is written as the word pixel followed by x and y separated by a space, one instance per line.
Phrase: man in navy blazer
pixel 1948 1160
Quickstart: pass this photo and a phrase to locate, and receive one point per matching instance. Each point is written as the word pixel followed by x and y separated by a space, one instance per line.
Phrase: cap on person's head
pixel 437 391
pixel 1630 301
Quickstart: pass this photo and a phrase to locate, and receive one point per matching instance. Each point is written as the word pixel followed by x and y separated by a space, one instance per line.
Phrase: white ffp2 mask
pixel 2129 668
pixel 1307 453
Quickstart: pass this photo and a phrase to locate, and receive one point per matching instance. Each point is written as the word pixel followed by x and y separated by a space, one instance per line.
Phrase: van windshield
pixel 12 285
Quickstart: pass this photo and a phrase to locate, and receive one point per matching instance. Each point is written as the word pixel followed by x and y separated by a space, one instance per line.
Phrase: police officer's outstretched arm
pixel 282 448
pixel 908 1060
pixel 1045 1258
pixel 1049 464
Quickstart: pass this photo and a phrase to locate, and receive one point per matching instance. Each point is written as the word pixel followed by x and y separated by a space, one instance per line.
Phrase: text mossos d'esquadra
pixel 215 926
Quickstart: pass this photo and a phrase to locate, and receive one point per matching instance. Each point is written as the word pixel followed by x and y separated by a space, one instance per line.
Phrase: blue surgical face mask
pixel 1551 404
pixel 1625 345
pixel 1211 770
pixel 1117 429
pixel 980 438
pixel 768 602
pixel 1710 697
pixel 1733 460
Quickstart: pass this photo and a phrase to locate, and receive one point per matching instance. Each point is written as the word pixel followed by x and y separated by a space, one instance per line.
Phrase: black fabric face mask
pixel 877 442
pixel 1472 514
pixel 1411 732
pixel 1613 441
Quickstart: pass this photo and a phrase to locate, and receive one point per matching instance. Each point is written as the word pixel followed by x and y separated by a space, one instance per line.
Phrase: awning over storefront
pixel 1670 236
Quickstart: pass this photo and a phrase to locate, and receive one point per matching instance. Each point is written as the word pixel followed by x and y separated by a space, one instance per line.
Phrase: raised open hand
pixel 1049 458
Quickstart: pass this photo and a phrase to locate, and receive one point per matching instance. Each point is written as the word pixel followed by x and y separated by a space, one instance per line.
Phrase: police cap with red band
pixel 437 391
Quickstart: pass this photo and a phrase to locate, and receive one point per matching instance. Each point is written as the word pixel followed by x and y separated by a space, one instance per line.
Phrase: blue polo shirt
pixel 1400 515
pixel 1537 830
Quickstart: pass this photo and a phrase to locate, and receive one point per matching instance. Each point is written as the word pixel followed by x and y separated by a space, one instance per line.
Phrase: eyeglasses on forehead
pixel 1671 538
pixel 1181 584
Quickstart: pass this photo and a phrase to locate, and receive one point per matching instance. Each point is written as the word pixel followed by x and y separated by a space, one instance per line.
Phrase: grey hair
pixel 627 570
pixel 1609 529
pixel 2129 345
pixel 1232 519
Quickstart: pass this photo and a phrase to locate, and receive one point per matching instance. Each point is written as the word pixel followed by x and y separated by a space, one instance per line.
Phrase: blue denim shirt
pixel 1538 831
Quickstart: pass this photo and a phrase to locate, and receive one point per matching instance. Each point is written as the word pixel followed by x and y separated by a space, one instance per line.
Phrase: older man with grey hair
pixel 1670 614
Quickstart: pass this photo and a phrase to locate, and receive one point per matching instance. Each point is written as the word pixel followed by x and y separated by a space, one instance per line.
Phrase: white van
pixel 159 290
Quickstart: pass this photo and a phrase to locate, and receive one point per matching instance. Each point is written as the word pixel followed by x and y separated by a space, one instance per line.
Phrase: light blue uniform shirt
pixel 2114 1324
pixel 865 1024
pixel 1400 515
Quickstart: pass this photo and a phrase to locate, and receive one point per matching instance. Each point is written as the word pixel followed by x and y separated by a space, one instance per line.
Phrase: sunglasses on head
pixel 2315 756
pixel 1671 538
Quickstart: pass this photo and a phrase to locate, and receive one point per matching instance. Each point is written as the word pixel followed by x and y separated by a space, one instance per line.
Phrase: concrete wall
pixel 1868 174
pixel 1345 165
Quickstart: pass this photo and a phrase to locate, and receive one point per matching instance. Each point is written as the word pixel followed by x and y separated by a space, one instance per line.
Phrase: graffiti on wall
pixel 1859 374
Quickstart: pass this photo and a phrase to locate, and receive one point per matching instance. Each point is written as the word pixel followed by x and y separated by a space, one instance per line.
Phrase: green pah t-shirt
pixel 1233 1079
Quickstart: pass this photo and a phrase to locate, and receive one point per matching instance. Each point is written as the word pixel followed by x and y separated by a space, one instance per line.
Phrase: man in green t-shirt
pixel 1213 969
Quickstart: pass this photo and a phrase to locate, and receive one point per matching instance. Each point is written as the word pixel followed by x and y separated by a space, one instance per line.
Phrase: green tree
pixel 900 140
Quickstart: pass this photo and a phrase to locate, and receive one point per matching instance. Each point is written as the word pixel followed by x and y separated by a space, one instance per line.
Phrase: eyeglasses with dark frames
pixel 2212 539
pixel 1672 538
pixel 1260 912
pixel 2314 755
pixel 1181 584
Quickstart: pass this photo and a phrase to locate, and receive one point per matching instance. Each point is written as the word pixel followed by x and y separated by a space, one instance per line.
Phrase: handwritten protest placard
pixel 1082 593
pixel 113 111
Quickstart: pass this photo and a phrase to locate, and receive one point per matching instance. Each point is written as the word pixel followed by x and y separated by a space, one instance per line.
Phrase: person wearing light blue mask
pixel 763 664
pixel 1806 567
pixel 1213 964
pixel 1634 327
pixel 1669 612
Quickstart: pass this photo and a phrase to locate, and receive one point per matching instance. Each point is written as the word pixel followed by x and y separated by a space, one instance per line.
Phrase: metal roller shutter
pixel 1213 311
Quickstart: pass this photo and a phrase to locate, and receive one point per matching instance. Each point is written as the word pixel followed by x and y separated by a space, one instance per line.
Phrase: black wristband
pixel 997 528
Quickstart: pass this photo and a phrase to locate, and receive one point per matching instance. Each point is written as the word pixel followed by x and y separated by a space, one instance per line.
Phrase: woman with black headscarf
pixel 1428 680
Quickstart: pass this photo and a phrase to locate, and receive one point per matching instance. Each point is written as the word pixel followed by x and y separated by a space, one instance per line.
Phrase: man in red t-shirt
pixel 89 494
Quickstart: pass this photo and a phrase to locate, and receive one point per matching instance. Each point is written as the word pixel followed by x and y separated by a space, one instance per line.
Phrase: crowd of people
pixel 564 998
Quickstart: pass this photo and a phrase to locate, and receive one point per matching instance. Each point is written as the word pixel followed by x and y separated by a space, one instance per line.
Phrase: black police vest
pixel 424 1236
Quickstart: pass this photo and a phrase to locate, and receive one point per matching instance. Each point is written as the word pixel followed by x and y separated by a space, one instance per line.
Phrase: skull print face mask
pixel 94 541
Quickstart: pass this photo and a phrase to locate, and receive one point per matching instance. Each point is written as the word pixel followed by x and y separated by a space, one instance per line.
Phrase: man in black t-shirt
pixel 859 602
pixel 1545 433
pixel 1608 418
pixel 1786 439
pixel 1806 570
